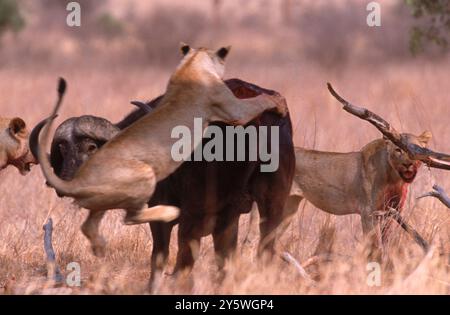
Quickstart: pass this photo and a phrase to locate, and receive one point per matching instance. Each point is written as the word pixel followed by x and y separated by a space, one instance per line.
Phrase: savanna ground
pixel 107 64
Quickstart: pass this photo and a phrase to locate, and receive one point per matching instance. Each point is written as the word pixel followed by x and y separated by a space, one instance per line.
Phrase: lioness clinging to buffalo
pixel 124 172
pixel 14 149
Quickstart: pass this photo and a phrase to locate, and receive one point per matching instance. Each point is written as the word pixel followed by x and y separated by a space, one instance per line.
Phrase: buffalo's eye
pixel 398 151
pixel 91 147
pixel 62 147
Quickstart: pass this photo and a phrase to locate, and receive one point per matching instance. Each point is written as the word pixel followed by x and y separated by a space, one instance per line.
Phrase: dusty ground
pixel 411 93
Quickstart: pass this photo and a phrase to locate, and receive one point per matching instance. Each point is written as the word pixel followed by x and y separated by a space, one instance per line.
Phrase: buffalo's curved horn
pixel 96 128
pixel 34 136
pixel 431 158
pixel 145 107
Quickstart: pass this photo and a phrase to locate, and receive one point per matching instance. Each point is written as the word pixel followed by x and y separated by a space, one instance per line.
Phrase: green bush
pixel 434 28
pixel 109 25
pixel 10 16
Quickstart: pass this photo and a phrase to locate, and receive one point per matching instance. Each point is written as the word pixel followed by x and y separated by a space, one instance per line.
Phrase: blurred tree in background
pixel 435 24
pixel 325 35
pixel 11 18
pixel 109 25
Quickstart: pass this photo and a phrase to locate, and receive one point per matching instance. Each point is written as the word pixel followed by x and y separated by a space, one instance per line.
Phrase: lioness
pixel 373 179
pixel 14 148
pixel 123 173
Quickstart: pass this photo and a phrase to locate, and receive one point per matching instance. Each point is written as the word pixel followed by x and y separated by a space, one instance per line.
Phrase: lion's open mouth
pixel 408 176
pixel 27 167
pixel 23 167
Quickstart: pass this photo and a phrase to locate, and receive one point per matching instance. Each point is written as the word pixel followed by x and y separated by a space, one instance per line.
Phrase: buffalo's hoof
pixel 99 250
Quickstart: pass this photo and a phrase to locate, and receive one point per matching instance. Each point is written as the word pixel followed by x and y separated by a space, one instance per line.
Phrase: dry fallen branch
pixel 53 271
pixel 431 158
pixel 324 258
pixel 301 271
pixel 392 213
pixel 439 193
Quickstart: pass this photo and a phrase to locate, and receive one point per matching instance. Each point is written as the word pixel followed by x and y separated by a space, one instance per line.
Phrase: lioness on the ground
pixel 364 182
pixel 123 173
pixel 14 149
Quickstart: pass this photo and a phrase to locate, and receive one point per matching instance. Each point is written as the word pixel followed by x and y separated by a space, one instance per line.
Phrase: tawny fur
pixel 14 149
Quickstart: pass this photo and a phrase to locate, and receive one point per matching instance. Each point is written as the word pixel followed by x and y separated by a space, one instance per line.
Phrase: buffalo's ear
pixel 223 52
pixel 16 126
pixel 184 48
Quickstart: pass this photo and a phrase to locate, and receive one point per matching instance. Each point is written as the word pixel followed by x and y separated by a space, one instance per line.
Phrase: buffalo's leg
pixel 161 240
pixel 90 230
pixel 188 249
pixel 271 216
pixel 270 191
pixel 188 245
pixel 225 237
pixel 271 206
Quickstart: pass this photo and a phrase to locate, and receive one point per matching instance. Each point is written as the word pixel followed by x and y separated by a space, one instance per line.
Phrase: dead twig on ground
pixel 53 271
pixel 301 271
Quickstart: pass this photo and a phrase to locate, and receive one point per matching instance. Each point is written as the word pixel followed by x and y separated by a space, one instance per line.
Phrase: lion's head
pixel 14 148
pixel 210 60
pixel 400 161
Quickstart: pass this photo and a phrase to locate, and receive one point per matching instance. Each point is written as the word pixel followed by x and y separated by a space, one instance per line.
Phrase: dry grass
pixel 412 94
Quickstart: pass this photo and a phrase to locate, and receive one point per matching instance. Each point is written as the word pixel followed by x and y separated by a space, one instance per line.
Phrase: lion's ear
pixel 223 52
pixel 425 137
pixel 184 48
pixel 16 126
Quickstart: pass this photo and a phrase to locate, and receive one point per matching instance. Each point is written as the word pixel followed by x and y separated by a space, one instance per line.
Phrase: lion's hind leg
pixel 90 230
pixel 157 213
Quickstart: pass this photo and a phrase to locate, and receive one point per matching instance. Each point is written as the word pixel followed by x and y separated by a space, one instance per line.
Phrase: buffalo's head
pixel 75 140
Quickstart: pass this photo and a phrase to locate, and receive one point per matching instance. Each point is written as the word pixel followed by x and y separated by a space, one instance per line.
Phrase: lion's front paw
pixel 281 105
